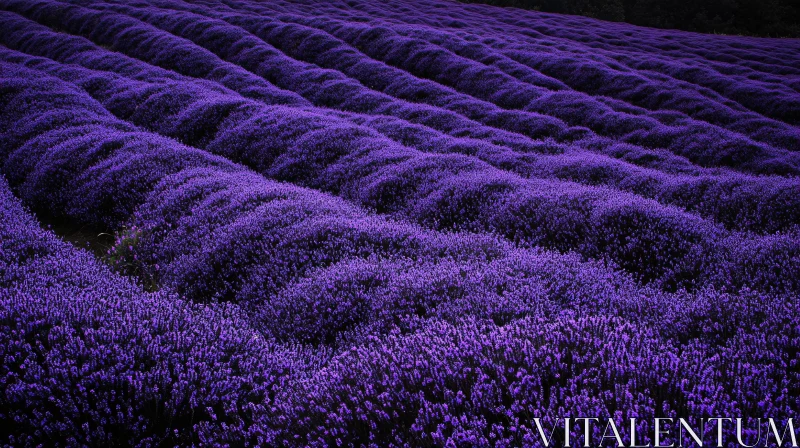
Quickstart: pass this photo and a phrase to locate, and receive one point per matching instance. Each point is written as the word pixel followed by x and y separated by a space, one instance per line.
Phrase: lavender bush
pixel 415 223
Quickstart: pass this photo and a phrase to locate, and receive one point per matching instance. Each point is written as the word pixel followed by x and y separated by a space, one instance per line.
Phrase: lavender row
pixel 212 230
pixel 480 385
pixel 738 202
pixel 321 49
pixel 25 35
pixel 750 71
pixel 184 196
pixel 384 392
pixel 313 268
pixel 606 147
pixel 692 141
pixel 681 135
pixel 205 65
pixel 197 214
pixel 160 371
pixel 90 358
pixel 454 192
pixel 641 90
pixel 397 45
pixel 325 88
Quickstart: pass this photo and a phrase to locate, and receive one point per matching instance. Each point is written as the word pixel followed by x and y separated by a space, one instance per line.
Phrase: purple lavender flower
pixel 413 223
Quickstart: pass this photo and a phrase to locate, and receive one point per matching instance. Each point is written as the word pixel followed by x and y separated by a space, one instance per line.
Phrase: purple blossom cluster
pixel 416 223
pixel 89 358
pixel 447 191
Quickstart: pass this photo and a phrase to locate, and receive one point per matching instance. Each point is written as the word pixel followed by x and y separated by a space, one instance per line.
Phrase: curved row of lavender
pixel 456 191
pixel 348 212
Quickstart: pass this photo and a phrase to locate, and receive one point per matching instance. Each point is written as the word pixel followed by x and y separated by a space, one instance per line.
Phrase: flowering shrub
pixel 408 223
pixel 90 358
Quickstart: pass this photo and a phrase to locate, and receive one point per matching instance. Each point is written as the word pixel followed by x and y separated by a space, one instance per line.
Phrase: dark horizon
pixel 767 18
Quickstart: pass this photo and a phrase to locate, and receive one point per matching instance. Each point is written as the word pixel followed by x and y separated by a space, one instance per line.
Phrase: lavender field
pixel 397 223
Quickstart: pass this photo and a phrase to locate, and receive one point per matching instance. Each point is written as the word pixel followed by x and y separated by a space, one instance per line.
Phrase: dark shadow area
pixel 93 240
pixel 766 18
